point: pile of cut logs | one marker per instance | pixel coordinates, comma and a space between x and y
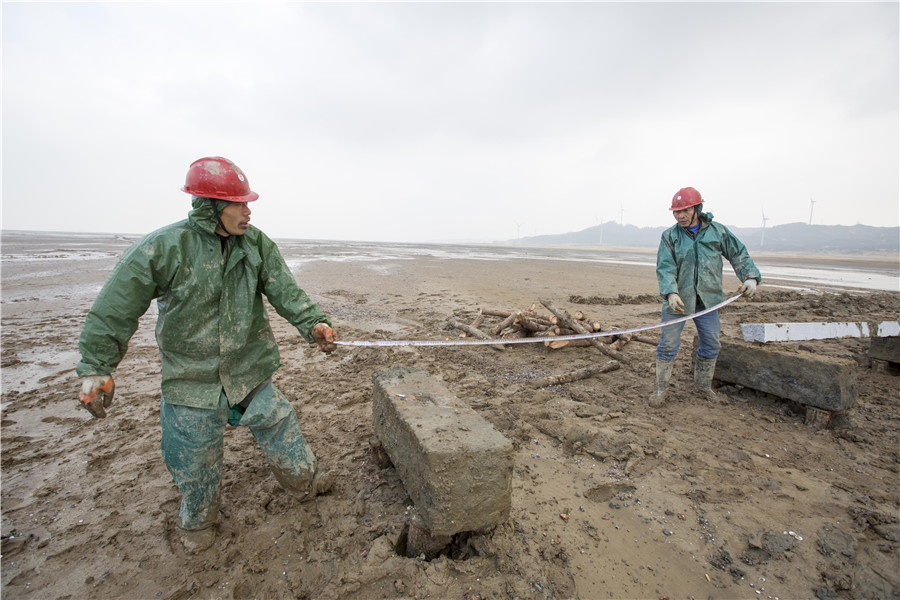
528, 323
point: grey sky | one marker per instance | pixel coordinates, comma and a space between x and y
443, 121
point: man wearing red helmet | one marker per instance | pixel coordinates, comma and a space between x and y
208, 274
689, 271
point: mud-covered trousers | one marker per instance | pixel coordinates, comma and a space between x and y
708, 330
193, 443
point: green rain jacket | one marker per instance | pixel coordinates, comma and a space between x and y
212, 330
692, 268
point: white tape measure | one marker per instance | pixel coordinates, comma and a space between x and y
532, 340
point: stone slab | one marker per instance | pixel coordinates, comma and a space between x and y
823, 382
794, 332
456, 467
885, 348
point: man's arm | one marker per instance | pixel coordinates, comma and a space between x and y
736, 253
283, 293
109, 325
114, 316
666, 268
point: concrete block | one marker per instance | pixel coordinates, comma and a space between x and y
455, 466
793, 332
821, 382
885, 348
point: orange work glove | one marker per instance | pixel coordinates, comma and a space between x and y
324, 337
96, 395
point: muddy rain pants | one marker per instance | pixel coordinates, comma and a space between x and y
193, 444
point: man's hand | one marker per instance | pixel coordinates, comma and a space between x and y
675, 303
97, 393
748, 288
324, 336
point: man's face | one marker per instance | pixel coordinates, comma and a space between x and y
236, 219
686, 217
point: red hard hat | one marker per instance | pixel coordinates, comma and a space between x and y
217, 177
685, 198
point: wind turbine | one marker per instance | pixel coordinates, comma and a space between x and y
811, 204
762, 237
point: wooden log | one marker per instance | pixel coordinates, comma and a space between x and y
557, 344
571, 323
530, 324
563, 330
645, 339
421, 542
478, 321
816, 418
606, 339
620, 341
543, 320
504, 323
512, 335
474, 332
617, 345
548, 319
495, 313
588, 323
575, 375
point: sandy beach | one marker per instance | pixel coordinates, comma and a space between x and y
736, 499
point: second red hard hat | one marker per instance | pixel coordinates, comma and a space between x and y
685, 198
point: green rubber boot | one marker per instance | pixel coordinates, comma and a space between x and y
663, 374
704, 369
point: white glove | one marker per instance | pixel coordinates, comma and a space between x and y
675, 303
748, 288
96, 395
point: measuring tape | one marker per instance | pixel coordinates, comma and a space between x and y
532, 340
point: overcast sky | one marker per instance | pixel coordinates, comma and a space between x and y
417, 122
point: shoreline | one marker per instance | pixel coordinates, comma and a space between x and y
886, 258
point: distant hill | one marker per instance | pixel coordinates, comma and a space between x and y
797, 237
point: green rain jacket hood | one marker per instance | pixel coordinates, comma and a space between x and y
692, 267
212, 328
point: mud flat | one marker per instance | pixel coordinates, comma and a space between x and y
610, 499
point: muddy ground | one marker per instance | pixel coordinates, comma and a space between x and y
736, 499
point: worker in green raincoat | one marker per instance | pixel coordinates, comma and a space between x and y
689, 271
208, 275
